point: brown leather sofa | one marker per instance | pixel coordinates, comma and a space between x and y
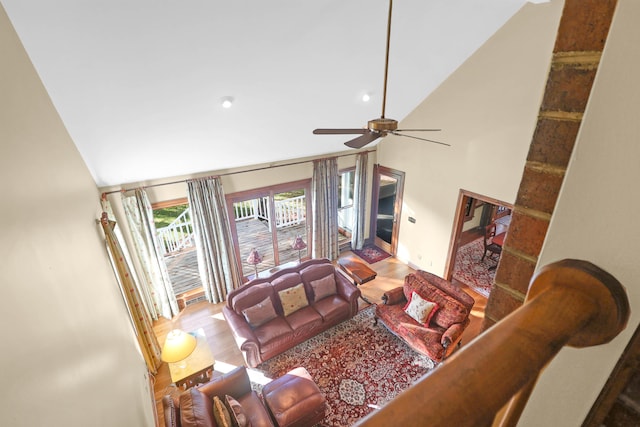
292, 400
438, 336
270, 315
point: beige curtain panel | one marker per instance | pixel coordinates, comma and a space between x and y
324, 204
217, 263
139, 316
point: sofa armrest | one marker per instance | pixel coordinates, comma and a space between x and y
235, 383
239, 326
348, 291
452, 336
171, 410
244, 336
394, 296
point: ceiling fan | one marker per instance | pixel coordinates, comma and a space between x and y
382, 126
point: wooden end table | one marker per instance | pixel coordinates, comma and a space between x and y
195, 369
358, 271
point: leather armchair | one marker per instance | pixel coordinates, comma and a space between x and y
194, 407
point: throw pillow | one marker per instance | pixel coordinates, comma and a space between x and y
238, 417
220, 413
293, 299
323, 287
260, 313
420, 309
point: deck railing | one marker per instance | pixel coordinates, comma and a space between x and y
288, 212
178, 235
512, 353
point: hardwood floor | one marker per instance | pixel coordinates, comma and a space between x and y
391, 273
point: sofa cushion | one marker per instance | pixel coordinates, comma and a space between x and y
447, 287
260, 313
271, 331
288, 280
221, 413
333, 309
304, 321
316, 272
420, 309
258, 415
252, 295
238, 417
323, 287
196, 409
293, 299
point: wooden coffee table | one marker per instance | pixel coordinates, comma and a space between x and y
358, 271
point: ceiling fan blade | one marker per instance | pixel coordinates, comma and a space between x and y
417, 130
421, 139
363, 140
339, 131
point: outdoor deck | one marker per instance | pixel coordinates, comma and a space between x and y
252, 233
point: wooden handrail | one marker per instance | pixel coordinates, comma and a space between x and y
570, 302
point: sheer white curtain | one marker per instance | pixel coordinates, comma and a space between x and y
324, 202
359, 201
156, 287
216, 261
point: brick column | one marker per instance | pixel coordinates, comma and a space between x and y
582, 33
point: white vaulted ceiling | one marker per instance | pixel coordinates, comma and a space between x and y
139, 83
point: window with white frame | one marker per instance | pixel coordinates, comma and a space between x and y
345, 200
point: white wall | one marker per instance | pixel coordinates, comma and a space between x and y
594, 220
69, 357
488, 111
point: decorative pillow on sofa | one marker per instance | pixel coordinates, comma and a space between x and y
293, 299
420, 309
450, 310
260, 313
323, 287
238, 417
220, 413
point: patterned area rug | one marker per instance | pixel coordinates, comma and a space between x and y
371, 254
358, 366
473, 272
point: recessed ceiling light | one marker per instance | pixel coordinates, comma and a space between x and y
366, 97
227, 102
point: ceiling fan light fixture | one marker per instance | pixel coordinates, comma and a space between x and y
381, 126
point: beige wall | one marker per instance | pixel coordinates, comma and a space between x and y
236, 180
487, 110
593, 220
68, 357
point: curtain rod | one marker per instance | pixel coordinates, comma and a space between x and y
124, 190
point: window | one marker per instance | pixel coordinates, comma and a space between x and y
268, 220
345, 201
174, 231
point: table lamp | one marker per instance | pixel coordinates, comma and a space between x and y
254, 259
299, 245
178, 346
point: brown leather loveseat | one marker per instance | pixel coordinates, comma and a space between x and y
437, 335
270, 315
